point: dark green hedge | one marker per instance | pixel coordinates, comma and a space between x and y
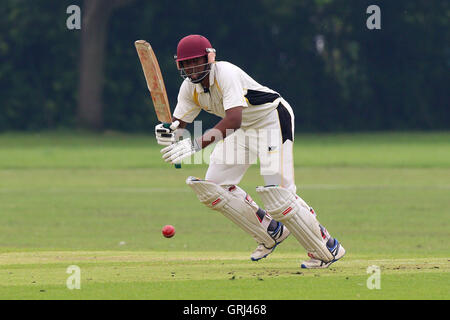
393, 78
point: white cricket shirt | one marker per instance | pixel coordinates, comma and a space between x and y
229, 86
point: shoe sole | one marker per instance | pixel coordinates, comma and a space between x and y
322, 267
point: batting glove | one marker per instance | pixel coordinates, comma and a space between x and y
180, 150
165, 134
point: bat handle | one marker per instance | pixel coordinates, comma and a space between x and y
177, 165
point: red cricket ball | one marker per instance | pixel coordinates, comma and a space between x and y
168, 231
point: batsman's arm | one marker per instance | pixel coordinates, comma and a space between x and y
182, 124
230, 123
176, 152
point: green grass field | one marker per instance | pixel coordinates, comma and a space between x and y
99, 202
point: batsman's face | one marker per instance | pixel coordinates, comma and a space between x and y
194, 68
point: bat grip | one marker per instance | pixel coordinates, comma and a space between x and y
167, 126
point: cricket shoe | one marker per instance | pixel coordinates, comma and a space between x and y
337, 251
279, 234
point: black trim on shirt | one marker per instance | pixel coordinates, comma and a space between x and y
285, 123
255, 97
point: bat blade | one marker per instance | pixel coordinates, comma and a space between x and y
154, 79
155, 82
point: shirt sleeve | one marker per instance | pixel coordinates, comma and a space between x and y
232, 89
186, 108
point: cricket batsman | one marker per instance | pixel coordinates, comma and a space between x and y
257, 123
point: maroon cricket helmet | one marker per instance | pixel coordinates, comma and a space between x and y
191, 47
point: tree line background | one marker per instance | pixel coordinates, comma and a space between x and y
319, 54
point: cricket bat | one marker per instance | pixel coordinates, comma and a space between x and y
155, 83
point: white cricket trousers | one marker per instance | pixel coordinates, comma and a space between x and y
270, 140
